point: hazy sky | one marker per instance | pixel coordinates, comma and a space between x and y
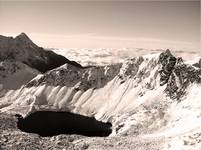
83, 24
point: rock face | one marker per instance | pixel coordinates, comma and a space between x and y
182, 76
177, 75
22, 49
167, 60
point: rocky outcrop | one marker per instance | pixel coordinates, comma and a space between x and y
181, 77
22, 49
177, 75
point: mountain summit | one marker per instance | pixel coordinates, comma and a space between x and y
22, 49
22, 36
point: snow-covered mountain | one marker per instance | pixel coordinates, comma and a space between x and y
156, 95
149, 91
22, 49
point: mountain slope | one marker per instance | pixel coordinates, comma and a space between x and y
22, 49
14, 74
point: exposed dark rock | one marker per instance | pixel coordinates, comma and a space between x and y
181, 77
167, 60
177, 75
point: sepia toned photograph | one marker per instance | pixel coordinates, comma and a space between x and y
100, 75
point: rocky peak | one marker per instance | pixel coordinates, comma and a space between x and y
23, 39
22, 36
167, 60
